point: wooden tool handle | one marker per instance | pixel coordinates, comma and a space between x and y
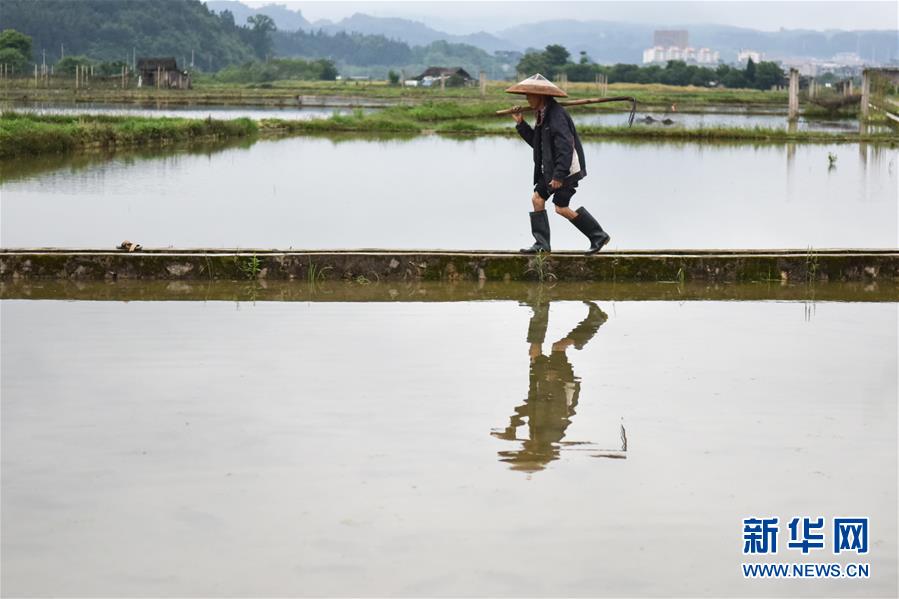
581, 102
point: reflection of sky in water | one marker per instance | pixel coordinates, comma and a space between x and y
433, 192
194, 112
312, 438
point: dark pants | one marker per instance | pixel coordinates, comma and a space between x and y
561, 196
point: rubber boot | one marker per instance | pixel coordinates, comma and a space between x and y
587, 225
586, 329
540, 229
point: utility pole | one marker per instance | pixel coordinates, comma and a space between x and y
191, 58
62, 51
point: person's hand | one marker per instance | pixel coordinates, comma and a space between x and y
555, 184
518, 117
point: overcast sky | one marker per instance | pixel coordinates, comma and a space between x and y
465, 16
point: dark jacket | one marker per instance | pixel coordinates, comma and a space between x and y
558, 153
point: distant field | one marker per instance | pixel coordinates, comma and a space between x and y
287, 92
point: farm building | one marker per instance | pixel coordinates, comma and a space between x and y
161, 72
435, 74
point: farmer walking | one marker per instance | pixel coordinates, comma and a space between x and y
558, 163
553, 391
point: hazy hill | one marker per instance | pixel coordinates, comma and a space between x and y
286, 19
413, 33
605, 41
610, 42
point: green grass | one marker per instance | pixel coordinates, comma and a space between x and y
29, 134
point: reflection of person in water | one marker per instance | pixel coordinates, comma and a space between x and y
553, 394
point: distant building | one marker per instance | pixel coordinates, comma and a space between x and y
707, 56
849, 59
161, 72
679, 38
674, 44
436, 74
743, 56
661, 55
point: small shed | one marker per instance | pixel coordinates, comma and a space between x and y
162, 72
437, 73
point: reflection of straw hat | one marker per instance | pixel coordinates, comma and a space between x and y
538, 85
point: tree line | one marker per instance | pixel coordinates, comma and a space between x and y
555, 60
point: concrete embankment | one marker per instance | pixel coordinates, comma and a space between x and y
393, 265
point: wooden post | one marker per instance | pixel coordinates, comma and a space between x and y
866, 92
794, 95
848, 88
482, 79
812, 88
77, 70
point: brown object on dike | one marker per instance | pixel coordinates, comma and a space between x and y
129, 246
538, 85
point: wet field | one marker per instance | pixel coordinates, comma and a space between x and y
442, 193
435, 439
712, 116
194, 111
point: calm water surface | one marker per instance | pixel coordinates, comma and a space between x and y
184, 111
696, 120
718, 117
435, 192
530, 447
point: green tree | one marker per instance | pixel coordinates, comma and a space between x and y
533, 62
768, 74
393, 77
556, 56
734, 78
15, 49
549, 63
10, 38
749, 75
67, 65
261, 28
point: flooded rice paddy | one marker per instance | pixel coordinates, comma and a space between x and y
437, 192
713, 116
190, 111
390, 440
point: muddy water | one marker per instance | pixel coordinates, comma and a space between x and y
531, 447
435, 192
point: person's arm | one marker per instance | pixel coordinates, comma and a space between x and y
524, 130
563, 148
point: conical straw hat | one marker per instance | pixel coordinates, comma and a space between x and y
539, 85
